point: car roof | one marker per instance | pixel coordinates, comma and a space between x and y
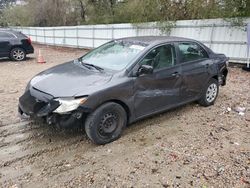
7, 30
15, 33
151, 41
155, 39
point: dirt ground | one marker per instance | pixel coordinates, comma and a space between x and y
190, 146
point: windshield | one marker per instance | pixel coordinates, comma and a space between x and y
114, 55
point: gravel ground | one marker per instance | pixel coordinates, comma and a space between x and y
190, 146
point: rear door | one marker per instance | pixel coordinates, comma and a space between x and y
194, 61
161, 89
5, 46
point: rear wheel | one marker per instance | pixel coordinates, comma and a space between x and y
106, 123
210, 93
18, 54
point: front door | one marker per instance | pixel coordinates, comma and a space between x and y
161, 89
4, 44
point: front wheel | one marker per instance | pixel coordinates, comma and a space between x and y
106, 123
18, 54
210, 93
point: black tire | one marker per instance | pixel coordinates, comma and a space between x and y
209, 95
18, 54
106, 123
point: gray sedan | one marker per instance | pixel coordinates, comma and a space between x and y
123, 81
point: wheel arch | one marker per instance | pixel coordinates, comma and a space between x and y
17, 46
225, 72
216, 77
213, 76
121, 103
202, 101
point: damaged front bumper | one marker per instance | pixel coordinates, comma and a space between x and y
38, 105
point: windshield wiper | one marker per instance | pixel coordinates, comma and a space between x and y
91, 65
95, 66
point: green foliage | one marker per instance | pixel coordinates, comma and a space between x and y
164, 12
4, 4
17, 16
166, 27
137, 11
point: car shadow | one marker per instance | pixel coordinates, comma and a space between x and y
157, 118
4, 60
53, 134
57, 134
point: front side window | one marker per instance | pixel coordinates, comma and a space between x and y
114, 55
191, 52
160, 57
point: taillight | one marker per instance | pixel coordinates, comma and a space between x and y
29, 40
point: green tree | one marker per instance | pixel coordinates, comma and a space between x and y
74, 12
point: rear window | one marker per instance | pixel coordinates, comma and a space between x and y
19, 34
4, 34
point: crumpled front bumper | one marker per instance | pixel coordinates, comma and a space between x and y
36, 104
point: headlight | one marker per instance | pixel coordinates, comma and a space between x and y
68, 105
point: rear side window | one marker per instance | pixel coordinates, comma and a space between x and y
191, 52
6, 35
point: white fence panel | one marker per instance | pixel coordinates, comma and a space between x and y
217, 34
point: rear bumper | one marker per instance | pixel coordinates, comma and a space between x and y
222, 80
29, 49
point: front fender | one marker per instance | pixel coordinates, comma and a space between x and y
122, 92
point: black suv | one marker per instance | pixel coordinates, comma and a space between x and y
14, 44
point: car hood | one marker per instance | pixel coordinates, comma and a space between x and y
69, 79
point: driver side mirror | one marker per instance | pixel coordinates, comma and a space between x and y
145, 69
